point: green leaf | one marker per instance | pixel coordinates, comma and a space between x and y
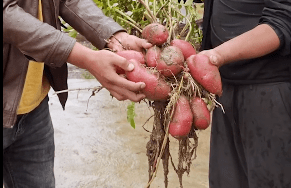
131, 114
73, 33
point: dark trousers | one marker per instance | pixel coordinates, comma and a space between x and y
251, 142
28, 150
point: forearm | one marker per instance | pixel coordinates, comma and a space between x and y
80, 56
89, 20
255, 43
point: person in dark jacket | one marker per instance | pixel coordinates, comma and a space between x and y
35, 56
250, 42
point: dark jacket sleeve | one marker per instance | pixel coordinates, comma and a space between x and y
34, 38
277, 14
89, 20
206, 41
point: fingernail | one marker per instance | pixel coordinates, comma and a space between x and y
130, 67
142, 85
214, 59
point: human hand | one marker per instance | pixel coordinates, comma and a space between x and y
118, 86
101, 64
123, 41
214, 57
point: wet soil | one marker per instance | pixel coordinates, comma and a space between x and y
97, 148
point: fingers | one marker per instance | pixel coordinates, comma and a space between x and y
124, 94
123, 41
145, 44
123, 63
105, 72
117, 80
123, 89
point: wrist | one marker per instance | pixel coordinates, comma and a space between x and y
116, 40
80, 56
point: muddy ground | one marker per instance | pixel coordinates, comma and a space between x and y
97, 148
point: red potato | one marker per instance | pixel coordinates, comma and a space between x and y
171, 61
182, 121
201, 114
129, 54
156, 89
186, 48
152, 56
155, 33
205, 73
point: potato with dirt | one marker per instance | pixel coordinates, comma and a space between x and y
156, 88
155, 33
171, 61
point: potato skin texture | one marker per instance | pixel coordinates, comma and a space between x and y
182, 120
155, 33
205, 73
171, 61
156, 89
186, 48
130, 54
201, 114
152, 56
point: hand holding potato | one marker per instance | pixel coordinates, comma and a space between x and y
101, 64
123, 41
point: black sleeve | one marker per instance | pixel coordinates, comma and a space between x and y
277, 14
206, 29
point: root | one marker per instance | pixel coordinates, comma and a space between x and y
156, 140
158, 148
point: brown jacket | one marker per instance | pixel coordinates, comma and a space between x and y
25, 38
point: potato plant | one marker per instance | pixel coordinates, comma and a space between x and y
181, 84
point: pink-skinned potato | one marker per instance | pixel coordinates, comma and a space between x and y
156, 89
171, 61
128, 55
186, 48
201, 114
155, 33
205, 73
182, 120
152, 56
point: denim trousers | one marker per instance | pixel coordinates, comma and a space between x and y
250, 145
28, 150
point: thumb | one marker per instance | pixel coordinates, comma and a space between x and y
125, 65
213, 59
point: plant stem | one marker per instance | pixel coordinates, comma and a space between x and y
148, 10
126, 16
98, 88
136, 27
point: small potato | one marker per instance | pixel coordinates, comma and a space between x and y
155, 33
182, 120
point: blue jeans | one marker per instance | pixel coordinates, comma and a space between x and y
28, 150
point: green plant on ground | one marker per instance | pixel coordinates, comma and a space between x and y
87, 75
